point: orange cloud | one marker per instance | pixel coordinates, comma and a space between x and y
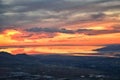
5, 37
13, 37
105, 24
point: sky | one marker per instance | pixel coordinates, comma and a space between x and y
59, 22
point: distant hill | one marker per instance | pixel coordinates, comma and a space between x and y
7, 58
110, 48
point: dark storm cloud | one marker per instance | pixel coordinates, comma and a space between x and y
88, 17
98, 16
67, 31
58, 5
20, 12
1, 7
1, 29
50, 30
55, 5
96, 32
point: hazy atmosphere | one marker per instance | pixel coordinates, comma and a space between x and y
59, 39
58, 26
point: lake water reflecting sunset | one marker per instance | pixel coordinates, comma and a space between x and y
67, 50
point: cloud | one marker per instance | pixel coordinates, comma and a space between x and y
49, 30
31, 36
67, 31
96, 32
116, 27
1, 29
22, 12
98, 16
55, 5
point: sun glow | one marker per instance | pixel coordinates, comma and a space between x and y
11, 32
5, 37
97, 28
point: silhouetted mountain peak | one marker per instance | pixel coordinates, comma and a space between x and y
110, 48
7, 58
3, 53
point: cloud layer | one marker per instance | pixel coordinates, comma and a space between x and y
67, 31
22, 12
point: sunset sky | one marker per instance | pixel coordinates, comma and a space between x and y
59, 22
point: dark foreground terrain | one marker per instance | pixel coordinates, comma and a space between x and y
58, 67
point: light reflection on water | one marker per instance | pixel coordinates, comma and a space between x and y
82, 50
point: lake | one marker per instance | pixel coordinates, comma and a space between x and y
67, 50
